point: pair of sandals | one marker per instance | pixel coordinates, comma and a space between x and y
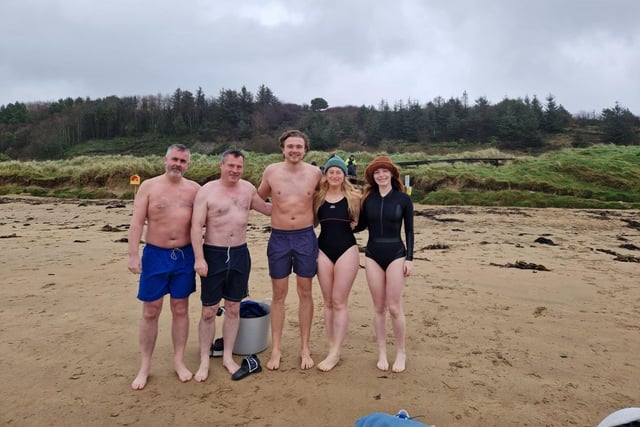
250, 364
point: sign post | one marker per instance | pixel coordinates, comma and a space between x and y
407, 187
135, 181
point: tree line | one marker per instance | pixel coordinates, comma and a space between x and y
43, 130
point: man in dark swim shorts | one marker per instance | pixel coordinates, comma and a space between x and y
222, 261
291, 184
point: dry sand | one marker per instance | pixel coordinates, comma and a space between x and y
489, 345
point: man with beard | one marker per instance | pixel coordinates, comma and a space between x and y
166, 266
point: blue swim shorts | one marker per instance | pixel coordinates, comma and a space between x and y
166, 271
292, 250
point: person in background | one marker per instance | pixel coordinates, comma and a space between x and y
351, 168
293, 245
336, 207
388, 262
223, 262
166, 267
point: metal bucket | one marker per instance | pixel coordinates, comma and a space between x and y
253, 333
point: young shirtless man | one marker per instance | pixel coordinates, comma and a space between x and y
223, 262
293, 245
166, 267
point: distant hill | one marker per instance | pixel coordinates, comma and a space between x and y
146, 125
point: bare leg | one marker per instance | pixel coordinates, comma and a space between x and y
280, 289
230, 326
148, 335
381, 333
326, 273
180, 333
395, 289
343, 275
377, 287
400, 362
206, 333
305, 317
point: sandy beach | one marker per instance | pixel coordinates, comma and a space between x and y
527, 317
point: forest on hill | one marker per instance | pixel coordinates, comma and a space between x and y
145, 125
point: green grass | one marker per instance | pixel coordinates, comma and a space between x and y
603, 176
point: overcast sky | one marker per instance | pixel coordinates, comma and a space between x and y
586, 53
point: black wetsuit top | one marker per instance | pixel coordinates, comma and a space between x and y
384, 216
336, 235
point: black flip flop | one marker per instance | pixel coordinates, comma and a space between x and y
217, 348
250, 364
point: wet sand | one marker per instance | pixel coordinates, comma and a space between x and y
514, 317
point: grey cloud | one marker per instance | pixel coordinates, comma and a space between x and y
349, 52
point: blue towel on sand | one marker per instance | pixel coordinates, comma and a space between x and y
378, 419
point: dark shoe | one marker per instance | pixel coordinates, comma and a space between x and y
250, 364
217, 348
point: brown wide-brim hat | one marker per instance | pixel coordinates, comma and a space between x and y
382, 162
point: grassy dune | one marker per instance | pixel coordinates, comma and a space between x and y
603, 176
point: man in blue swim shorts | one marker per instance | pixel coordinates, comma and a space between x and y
293, 245
223, 261
166, 266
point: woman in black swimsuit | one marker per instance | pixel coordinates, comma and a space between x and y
388, 262
337, 206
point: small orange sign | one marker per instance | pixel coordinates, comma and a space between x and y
134, 180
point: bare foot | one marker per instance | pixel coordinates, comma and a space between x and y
399, 364
383, 363
307, 361
231, 366
329, 362
274, 361
203, 372
184, 374
140, 381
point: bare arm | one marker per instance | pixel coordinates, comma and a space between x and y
198, 220
258, 204
264, 190
136, 227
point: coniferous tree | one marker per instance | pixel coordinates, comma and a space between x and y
618, 126
555, 117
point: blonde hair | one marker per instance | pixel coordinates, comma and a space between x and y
351, 193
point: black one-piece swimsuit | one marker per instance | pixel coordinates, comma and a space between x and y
336, 235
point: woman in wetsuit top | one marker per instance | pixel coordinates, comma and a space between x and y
388, 262
336, 205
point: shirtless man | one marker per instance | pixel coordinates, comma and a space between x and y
293, 245
166, 267
223, 262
